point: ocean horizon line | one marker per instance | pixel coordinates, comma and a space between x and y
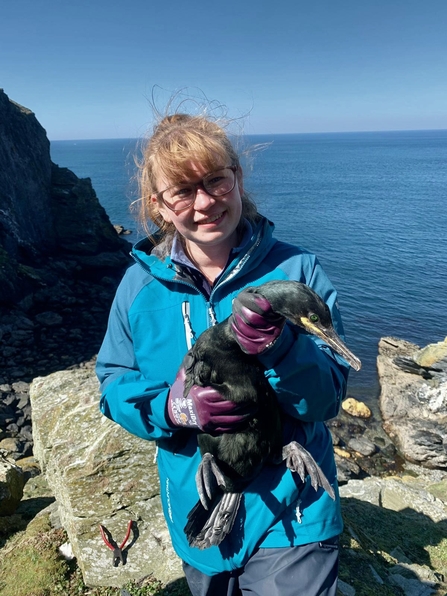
274, 134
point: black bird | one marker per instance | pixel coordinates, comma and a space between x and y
231, 460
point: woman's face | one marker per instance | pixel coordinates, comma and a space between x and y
209, 221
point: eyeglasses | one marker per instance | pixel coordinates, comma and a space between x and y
216, 184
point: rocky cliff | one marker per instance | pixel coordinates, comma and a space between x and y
47, 214
60, 262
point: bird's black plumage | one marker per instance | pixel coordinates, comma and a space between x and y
231, 460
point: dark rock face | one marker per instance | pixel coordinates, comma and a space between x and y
46, 212
60, 263
81, 225
26, 219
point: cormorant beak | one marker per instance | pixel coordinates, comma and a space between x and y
329, 336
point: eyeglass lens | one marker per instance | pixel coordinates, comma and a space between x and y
216, 184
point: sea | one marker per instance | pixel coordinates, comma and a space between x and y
372, 206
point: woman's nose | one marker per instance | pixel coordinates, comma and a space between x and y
203, 200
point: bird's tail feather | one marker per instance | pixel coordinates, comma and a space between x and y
207, 528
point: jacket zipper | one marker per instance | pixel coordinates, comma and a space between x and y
238, 266
212, 315
189, 333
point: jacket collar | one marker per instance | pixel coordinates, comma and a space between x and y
157, 259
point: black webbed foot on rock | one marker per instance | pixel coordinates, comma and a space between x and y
299, 460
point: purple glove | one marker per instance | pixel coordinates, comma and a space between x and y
204, 408
255, 325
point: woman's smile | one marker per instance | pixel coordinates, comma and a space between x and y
211, 219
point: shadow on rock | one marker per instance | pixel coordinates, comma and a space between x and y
389, 549
29, 508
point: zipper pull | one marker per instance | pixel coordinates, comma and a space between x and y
187, 323
212, 315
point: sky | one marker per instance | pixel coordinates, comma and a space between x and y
94, 69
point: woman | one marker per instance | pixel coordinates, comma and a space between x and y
211, 243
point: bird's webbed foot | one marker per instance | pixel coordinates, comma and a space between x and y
208, 476
299, 460
219, 524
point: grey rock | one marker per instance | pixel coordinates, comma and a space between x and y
27, 433
11, 485
8, 399
99, 473
23, 401
412, 587
414, 409
12, 446
376, 576
398, 494
409, 493
399, 555
362, 445
368, 490
345, 588
49, 319
346, 468
414, 571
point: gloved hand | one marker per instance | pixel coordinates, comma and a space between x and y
205, 408
255, 326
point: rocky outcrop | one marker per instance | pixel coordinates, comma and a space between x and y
419, 499
11, 485
47, 214
413, 399
100, 474
361, 446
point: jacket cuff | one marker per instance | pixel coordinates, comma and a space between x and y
156, 410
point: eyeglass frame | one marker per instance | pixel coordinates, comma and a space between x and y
196, 185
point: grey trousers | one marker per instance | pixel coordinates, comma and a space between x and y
307, 570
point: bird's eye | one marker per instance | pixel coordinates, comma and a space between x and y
314, 318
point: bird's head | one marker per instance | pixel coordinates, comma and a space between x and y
303, 307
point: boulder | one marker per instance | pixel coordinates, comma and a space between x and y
432, 354
356, 408
408, 492
100, 474
413, 403
11, 485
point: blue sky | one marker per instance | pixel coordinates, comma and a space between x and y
87, 68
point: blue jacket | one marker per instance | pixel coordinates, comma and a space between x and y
156, 310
